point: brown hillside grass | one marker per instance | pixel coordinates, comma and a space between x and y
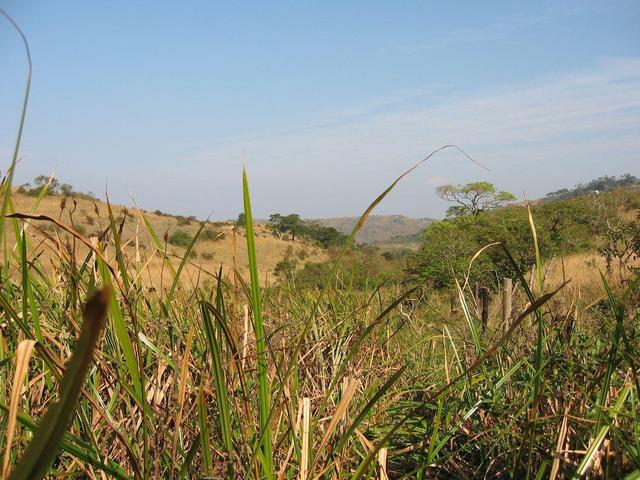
91, 217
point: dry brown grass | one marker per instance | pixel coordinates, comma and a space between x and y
140, 246
583, 270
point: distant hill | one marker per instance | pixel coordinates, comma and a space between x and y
379, 228
597, 185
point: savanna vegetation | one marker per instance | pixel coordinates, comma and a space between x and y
357, 367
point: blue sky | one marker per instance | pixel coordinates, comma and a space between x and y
325, 102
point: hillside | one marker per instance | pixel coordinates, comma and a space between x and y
379, 229
220, 244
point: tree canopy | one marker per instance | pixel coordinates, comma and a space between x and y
281, 224
473, 198
294, 226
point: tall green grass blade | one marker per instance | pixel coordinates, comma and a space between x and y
205, 447
115, 233
256, 308
191, 455
222, 397
122, 334
537, 388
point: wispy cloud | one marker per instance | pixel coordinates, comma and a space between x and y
504, 28
537, 136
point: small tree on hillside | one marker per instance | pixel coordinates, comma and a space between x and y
41, 181
281, 224
66, 189
473, 198
241, 221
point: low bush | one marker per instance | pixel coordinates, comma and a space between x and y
180, 238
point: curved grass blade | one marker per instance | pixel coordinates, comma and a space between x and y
5, 188
48, 437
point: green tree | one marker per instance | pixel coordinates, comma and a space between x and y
563, 227
281, 224
324, 236
241, 220
473, 198
611, 218
66, 189
41, 182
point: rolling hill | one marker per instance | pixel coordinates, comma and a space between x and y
380, 229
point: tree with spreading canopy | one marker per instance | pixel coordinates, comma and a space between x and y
473, 198
281, 224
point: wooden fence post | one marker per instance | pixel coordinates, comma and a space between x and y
507, 289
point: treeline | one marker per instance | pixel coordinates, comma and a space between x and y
607, 224
361, 266
603, 223
294, 227
596, 186
44, 185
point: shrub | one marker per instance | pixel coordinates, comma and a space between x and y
207, 255
313, 275
285, 268
180, 238
211, 234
